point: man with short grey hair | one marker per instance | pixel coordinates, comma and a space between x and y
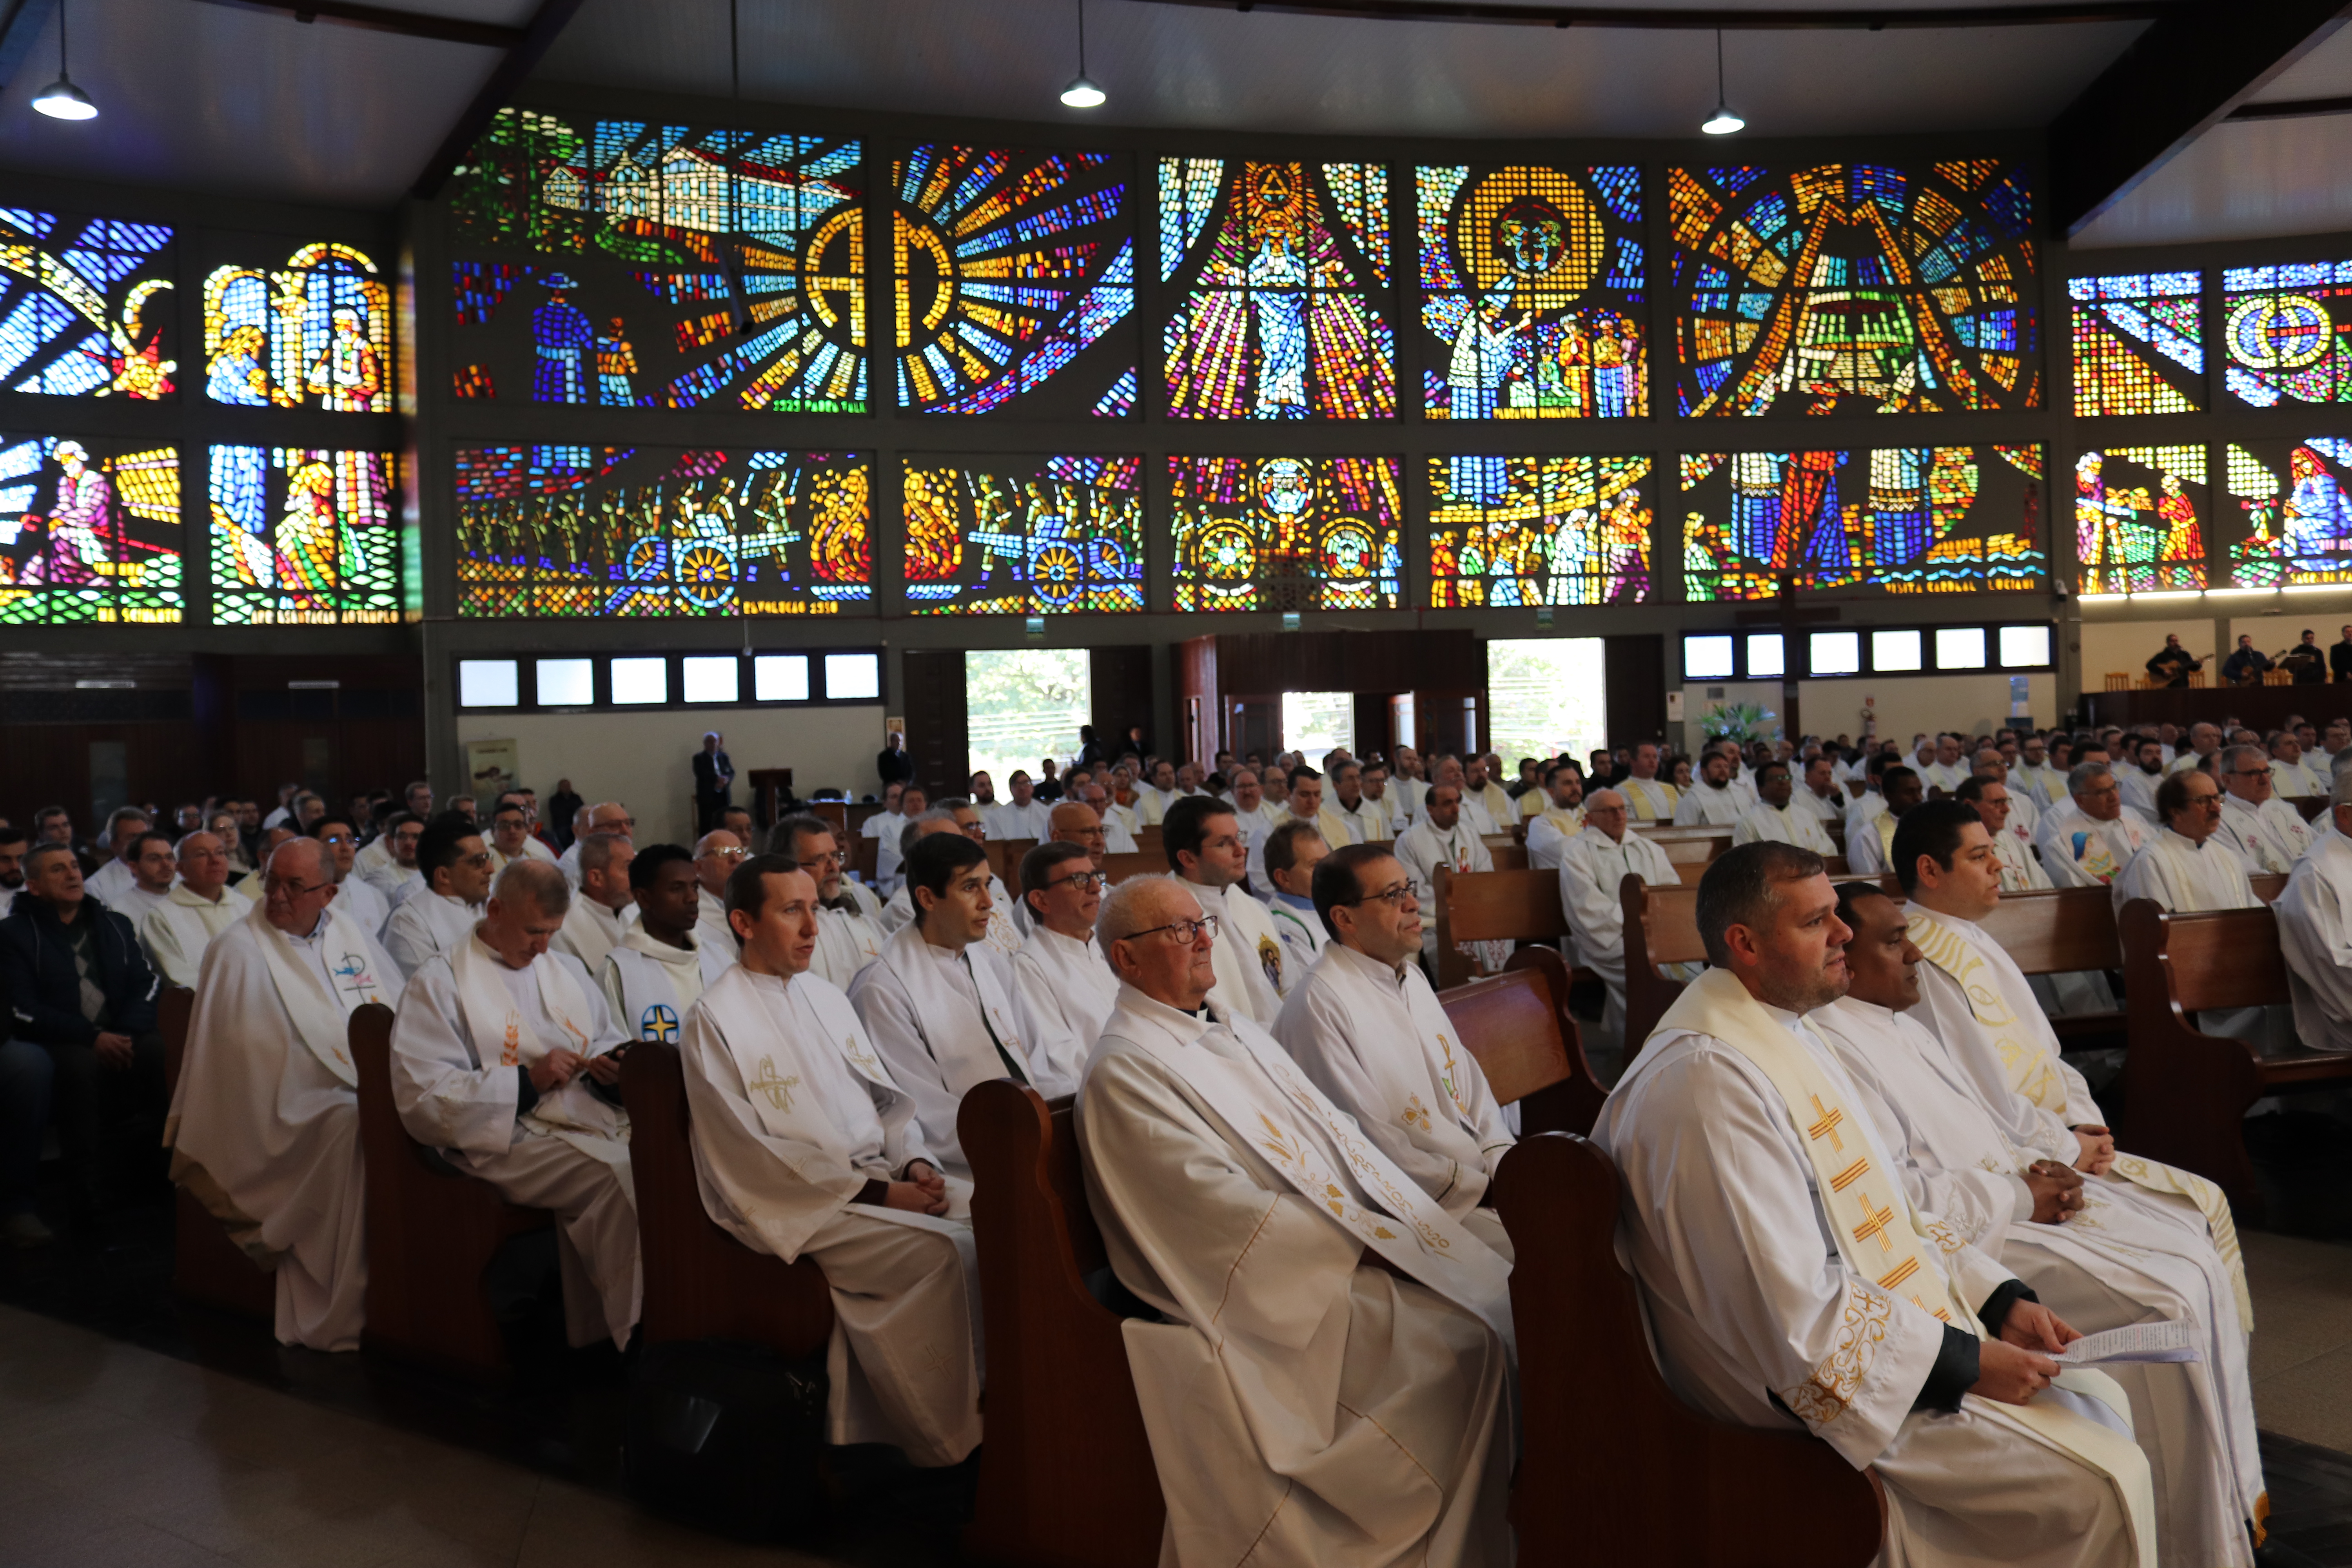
2268, 835
2085, 843
595, 923
849, 933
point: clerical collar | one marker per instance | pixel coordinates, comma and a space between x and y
1292, 900
2194, 845
779, 984
1871, 1010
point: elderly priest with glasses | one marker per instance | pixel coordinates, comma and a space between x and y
1327, 1380
1791, 1281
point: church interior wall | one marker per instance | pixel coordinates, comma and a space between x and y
1903, 705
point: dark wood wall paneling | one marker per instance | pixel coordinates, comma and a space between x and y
1121, 678
938, 737
1238, 680
1634, 670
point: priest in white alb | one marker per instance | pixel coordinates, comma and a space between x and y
1559, 818
2086, 841
598, 918
716, 854
1003, 938
1304, 803
805, 1148
265, 1122
1592, 872
1062, 989
1291, 853
439, 917
2097, 1257
1791, 1281
2187, 866
502, 1057
1869, 837
849, 933
2315, 926
1329, 1382
362, 900
2083, 991
1776, 818
1205, 846
1367, 1028
652, 976
199, 907
1443, 836
2269, 835
1711, 802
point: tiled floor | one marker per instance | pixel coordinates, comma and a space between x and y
138, 1433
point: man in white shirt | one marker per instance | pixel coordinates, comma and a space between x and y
1444, 838
1482, 789
849, 933
1203, 840
2137, 782
1062, 989
1821, 794
111, 882
912, 804
1710, 800
510, 839
1775, 819
1869, 843
652, 974
2093, 836
598, 918
1365, 819
1406, 785
1117, 838
394, 874
457, 866
716, 854
177, 930
2034, 774
1290, 853
605, 819
2314, 920
1154, 798
884, 823
804, 1148
1250, 808
1023, 816
1592, 871
360, 898
153, 870
1560, 815
1947, 770
1379, 789
2268, 835
981, 790
2290, 777
2187, 866
502, 1058
1305, 804
2204, 745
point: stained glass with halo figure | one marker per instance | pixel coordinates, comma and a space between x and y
2139, 518
1563, 531
2288, 521
313, 332
90, 531
1013, 536
303, 537
575, 531
1287, 533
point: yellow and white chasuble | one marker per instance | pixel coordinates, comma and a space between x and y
1548, 831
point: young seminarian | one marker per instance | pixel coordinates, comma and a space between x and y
1365, 1028
1329, 1382
441, 914
657, 971
941, 1021
2095, 1253
1205, 846
804, 1147
1788, 1274
1062, 989
502, 1057
265, 1126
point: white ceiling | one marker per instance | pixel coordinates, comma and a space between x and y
220, 99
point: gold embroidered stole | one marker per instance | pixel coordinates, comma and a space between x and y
2033, 1072
1885, 823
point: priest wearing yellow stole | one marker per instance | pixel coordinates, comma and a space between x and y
1775, 818
805, 1147
1560, 816
1791, 1280
264, 1124
1328, 1383
502, 1056
2094, 1254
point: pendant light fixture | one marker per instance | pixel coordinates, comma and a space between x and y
1082, 93
1723, 123
61, 99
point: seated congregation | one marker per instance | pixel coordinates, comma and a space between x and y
1240, 1087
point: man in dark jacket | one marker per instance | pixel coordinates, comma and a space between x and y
78, 986
714, 778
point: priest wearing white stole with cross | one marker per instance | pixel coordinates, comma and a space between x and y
849, 933
2269, 835
1791, 1280
265, 1123
942, 1022
502, 1056
1002, 940
1329, 1386
1442, 837
2094, 1256
1062, 989
652, 976
1368, 1031
804, 1146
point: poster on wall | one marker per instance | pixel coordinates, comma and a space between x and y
492, 768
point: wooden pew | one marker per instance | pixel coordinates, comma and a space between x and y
2268, 886
700, 1283
1655, 1482
1517, 1026
1119, 867
1508, 854
2311, 806
2059, 931
1067, 1478
2186, 1093
1004, 858
1692, 857
1147, 842
432, 1230
206, 1265
835, 812
864, 857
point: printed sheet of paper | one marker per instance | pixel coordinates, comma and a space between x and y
2177, 1339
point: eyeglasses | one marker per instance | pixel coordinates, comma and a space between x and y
2250, 773
1084, 881
481, 858
1394, 896
818, 863
735, 854
1187, 931
274, 885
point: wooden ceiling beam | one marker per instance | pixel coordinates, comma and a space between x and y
1503, 12
551, 17
385, 20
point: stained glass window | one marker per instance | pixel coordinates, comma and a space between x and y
90, 531
85, 306
1531, 293
2139, 518
2288, 520
614, 531
1280, 272
1561, 531
659, 267
315, 333
1855, 287
1024, 538
1907, 520
1287, 533
2285, 331
2139, 345
1012, 271
303, 537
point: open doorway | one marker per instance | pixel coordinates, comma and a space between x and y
1314, 722
1546, 696
1023, 705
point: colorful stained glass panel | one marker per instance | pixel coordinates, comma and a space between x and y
1280, 274
302, 537
2287, 332
1021, 537
1016, 275
2139, 518
86, 306
314, 333
1287, 533
1531, 292
2139, 343
1904, 520
2288, 520
575, 531
1558, 531
90, 531
623, 264
1854, 288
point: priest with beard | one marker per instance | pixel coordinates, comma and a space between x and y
652, 976
1327, 1380
2090, 838
1791, 1280
1365, 1028
503, 1057
849, 933
1559, 818
1711, 801
1062, 989
2097, 1257
265, 1122
804, 1147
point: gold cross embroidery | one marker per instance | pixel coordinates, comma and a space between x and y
851, 1048
1875, 1225
1827, 1127
511, 1055
779, 1091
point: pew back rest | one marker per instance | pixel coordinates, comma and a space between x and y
1500, 906
1518, 1027
1119, 867
2057, 931
2216, 960
1668, 917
